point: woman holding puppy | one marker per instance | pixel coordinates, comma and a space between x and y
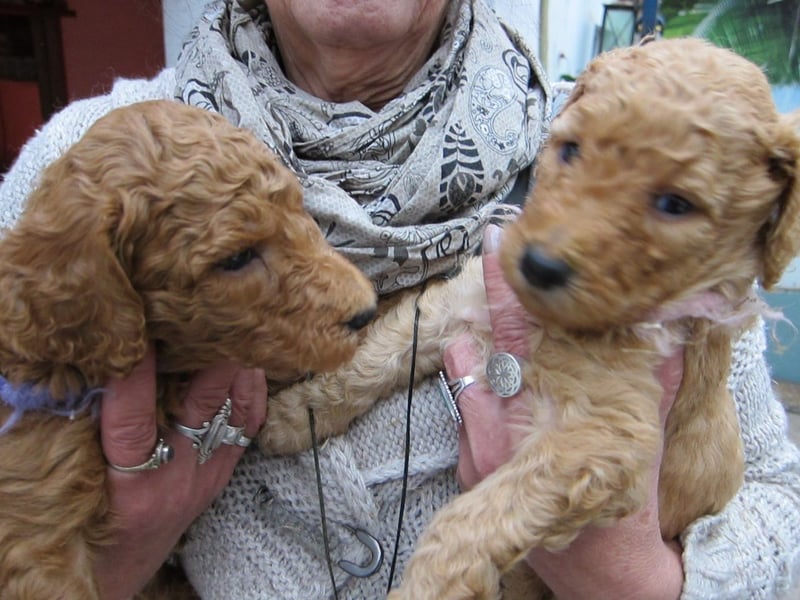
409, 123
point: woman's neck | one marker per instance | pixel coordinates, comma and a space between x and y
342, 75
365, 63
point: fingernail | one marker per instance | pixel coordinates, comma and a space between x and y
491, 238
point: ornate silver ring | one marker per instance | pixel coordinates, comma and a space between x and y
451, 390
212, 434
162, 454
504, 374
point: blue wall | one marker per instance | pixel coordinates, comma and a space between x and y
784, 352
783, 339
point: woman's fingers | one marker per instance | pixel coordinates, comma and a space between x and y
206, 397
510, 321
492, 426
152, 508
249, 396
128, 428
207, 392
482, 445
490, 423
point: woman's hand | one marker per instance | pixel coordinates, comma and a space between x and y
152, 509
627, 560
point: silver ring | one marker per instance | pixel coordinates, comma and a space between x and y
212, 434
451, 390
162, 454
504, 374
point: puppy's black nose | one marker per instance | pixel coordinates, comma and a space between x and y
362, 319
543, 271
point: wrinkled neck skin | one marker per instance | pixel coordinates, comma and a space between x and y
368, 57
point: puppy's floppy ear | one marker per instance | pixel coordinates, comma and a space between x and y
782, 234
68, 314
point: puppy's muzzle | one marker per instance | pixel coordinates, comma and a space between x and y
542, 270
361, 319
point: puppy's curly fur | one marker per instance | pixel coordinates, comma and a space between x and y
163, 224
669, 184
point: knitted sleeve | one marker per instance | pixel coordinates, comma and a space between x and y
752, 548
64, 129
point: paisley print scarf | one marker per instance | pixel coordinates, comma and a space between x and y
404, 192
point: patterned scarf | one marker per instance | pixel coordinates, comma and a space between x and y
405, 192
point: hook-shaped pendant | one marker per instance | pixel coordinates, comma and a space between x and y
375, 561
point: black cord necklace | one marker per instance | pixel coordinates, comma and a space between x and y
407, 448
321, 497
406, 466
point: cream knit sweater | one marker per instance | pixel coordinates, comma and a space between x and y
262, 538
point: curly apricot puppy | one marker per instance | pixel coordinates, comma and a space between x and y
163, 224
668, 185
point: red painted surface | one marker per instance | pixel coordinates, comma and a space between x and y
20, 115
102, 42
106, 40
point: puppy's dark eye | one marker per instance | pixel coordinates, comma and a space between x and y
672, 204
238, 260
569, 151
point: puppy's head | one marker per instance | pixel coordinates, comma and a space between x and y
668, 174
166, 223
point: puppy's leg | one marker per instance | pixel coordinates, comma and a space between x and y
381, 364
703, 462
52, 505
594, 471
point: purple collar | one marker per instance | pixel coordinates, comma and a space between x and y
27, 397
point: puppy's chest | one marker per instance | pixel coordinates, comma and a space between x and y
586, 375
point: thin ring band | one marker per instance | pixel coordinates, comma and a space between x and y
212, 434
162, 454
459, 384
451, 390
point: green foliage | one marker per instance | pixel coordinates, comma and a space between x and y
764, 31
671, 8
683, 25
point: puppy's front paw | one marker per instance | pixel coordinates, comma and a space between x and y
286, 430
